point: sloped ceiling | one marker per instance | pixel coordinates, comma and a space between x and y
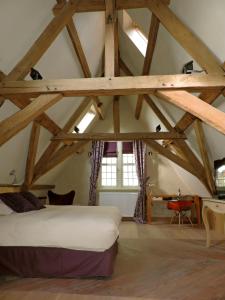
22, 23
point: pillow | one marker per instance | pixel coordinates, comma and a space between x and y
59, 199
33, 200
4, 209
17, 202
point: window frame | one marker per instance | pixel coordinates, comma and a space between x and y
119, 173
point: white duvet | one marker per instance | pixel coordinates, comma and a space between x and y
74, 227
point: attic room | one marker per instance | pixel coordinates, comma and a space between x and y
112, 149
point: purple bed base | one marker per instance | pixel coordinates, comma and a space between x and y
56, 262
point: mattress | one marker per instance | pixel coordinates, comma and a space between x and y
89, 228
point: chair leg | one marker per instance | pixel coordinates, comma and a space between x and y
190, 220
179, 217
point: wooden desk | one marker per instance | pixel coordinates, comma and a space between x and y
150, 201
215, 205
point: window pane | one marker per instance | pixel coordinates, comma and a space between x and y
113, 168
125, 168
125, 158
104, 160
103, 169
114, 159
104, 181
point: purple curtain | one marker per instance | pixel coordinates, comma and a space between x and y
96, 161
140, 213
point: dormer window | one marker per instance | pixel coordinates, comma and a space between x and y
134, 33
86, 120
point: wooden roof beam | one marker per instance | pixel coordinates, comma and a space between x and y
53, 146
15, 123
177, 160
32, 152
111, 62
99, 5
61, 155
197, 107
199, 131
74, 37
110, 86
187, 39
152, 37
119, 136
44, 120
181, 147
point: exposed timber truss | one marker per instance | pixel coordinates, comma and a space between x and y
173, 88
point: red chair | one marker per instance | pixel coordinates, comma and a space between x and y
180, 209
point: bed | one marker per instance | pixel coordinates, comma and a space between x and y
58, 241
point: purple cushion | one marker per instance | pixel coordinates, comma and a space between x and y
17, 202
33, 200
58, 199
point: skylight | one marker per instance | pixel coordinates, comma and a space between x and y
86, 120
221, 169
134, 33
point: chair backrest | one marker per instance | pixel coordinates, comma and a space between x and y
180, 205
61, 199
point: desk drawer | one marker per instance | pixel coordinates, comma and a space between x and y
216, 206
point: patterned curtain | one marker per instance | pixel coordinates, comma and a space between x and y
96, 161
140, 213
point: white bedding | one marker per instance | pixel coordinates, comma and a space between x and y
74, 227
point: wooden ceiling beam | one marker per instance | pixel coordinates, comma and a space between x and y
188, 119
60, 156
109, 86
32, 152
43, 42
44, 120
199, 131
119, 136
185, 37
15, 123
99, 5
181, 146
197, 107
174, 158
75, 40
152, 37
111, 62
53, 146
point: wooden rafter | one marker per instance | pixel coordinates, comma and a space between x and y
152, 37
181, 147
32, 152
204, 154
110, 86
43, 119
119, 136
99, 5
34, 54
187, 39
53, 146
43, 42
177, 160
15, 123
188, 119
61, 155
111, 62
174, 158
74, 37
197, 107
